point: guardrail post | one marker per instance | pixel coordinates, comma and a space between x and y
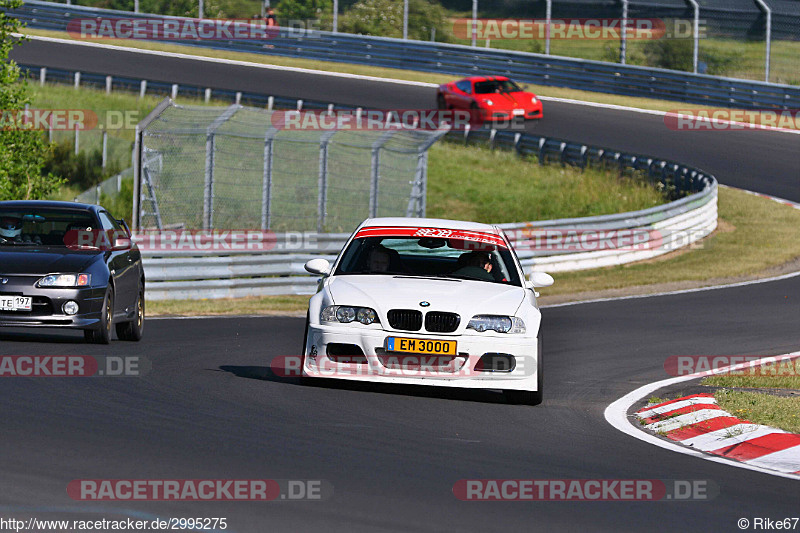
623, 41
374, 172
322, 184
238, 97
548, 18
335, 16
270, 103
208, 95
105, 150
42, 76
142, 88
405, 20
542, 141
695, 33
109, 81
77, 140
768, 14
77, 79
266, 182
174, 92
474, 25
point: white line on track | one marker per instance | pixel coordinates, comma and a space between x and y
616, 414
684, 291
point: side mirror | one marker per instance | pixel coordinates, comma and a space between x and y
318, 266
541, 279
122, 243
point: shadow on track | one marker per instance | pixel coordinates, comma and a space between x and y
265, 373
35, 336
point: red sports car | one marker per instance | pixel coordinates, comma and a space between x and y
496, 98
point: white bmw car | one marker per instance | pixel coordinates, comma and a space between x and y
430, 302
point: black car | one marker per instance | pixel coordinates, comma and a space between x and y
69, 265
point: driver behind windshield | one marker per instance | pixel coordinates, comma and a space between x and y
476, 265
11, 231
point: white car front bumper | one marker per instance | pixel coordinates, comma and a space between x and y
391, 367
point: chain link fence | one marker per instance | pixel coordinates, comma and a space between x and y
237, 167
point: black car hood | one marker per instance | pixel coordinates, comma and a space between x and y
43, 259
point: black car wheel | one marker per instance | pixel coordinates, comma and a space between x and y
132, 331
102, 334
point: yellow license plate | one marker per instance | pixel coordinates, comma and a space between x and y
402, 344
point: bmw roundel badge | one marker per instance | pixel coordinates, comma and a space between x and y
425, 304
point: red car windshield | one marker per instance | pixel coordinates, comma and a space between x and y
496, 86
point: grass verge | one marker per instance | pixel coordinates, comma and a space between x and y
774, 411
365, 70
496, 186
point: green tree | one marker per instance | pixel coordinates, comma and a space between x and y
321, 10
22, 151
385, 18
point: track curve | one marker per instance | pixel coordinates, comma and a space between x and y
211, 409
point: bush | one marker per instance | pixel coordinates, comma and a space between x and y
120, 205
677, 54
385, 18
83, 170
22, 152
321, 10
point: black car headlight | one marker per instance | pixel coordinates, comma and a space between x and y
347, 314
498, 323
65, 280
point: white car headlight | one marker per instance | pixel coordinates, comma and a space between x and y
489, 102
65, 280
534, 100
347, 314
500, 324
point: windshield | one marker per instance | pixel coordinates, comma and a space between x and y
462, 255
496, 86
20, 226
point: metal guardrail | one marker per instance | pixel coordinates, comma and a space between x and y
464, 60
183, 274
